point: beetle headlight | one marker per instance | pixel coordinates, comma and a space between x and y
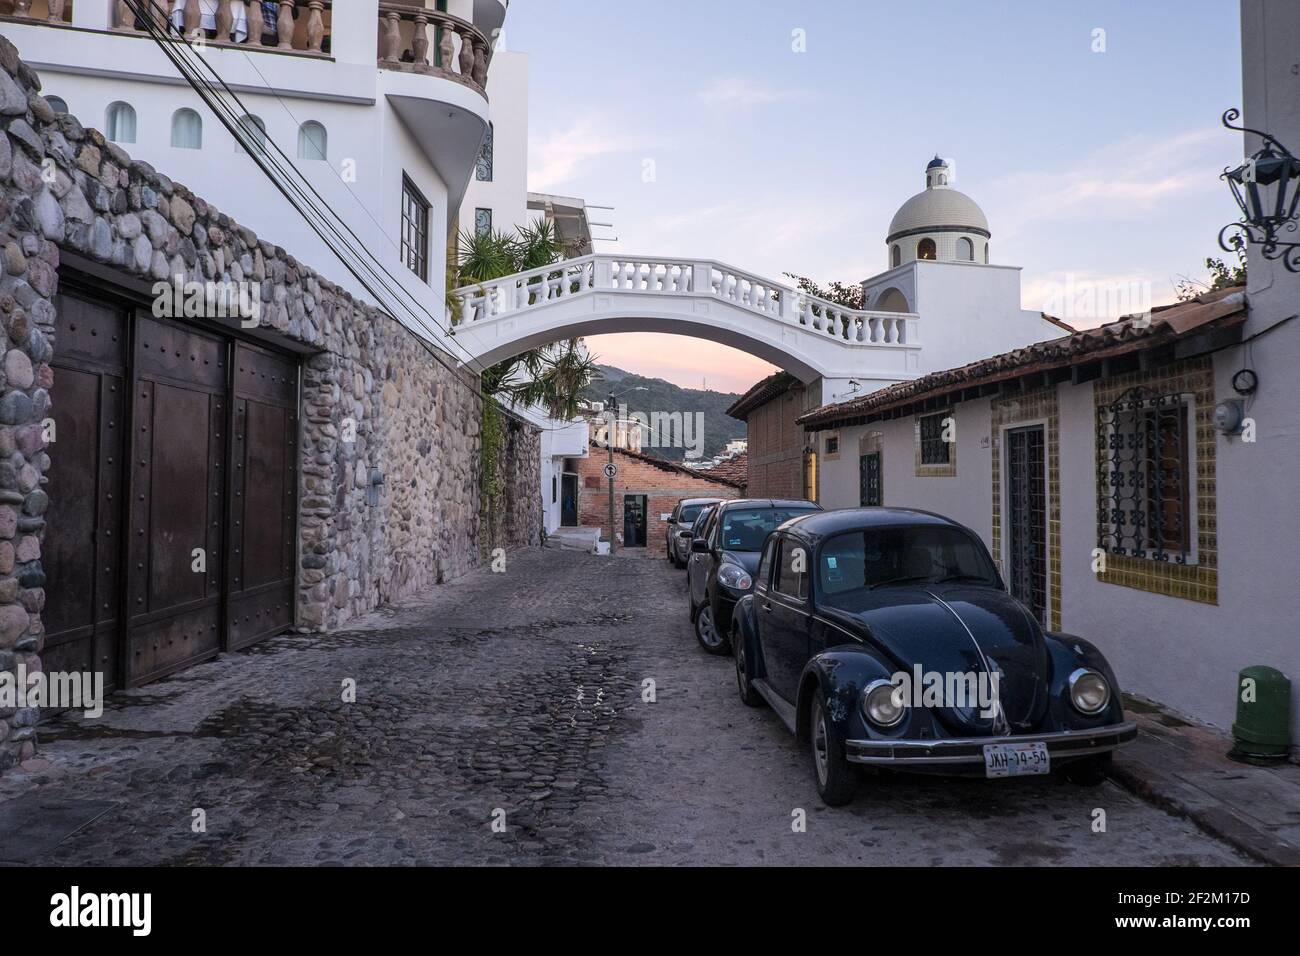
883, 704
1089, 691
735, 577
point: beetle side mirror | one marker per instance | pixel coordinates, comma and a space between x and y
699, 546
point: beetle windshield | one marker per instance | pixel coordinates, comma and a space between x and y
883, 557
745, 529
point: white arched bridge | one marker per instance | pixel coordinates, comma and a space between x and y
807, 336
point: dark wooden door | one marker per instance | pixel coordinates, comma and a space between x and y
263, 495
1027, 518
177, 489
83, 538
869, 479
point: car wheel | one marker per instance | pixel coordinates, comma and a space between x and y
1090, 771
836, 779
748, 694
706, 633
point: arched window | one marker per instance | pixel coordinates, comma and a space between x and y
895, 256
121, 122
965, 250
255, 128
925, 249
313, 141
57, 103
986, 253
483, 169
187, 129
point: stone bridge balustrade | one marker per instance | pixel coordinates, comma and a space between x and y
458, 50
668, 277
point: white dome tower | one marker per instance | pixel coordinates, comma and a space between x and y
940, 223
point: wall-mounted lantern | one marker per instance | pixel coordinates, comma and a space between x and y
1267, 189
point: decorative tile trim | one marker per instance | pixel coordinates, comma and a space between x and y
948, 470
1192, 582
1040, 405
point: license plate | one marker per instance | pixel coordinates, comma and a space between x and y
1016, 760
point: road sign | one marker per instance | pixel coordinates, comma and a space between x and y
611, 470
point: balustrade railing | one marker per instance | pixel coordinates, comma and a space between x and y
672, 277
300, 26
50, 11
457, 49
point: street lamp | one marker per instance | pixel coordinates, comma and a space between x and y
1264, 217
610, 470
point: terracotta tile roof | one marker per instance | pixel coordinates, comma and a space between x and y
735, 468
760, 393
664, 465
1131, 334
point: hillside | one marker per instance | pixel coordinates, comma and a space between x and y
662, 396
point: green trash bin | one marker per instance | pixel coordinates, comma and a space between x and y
1262, 730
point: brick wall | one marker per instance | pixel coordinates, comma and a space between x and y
662, 484
776, 443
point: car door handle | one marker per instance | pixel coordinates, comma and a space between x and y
766, 605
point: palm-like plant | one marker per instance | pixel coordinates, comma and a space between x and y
552, 375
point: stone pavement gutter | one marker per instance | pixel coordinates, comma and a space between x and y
1183, 767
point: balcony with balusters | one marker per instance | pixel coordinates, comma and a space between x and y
419, 39
410, 37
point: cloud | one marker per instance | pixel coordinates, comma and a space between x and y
1118, 181
1086, 299
561, 155
742, 91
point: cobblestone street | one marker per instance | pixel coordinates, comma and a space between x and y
523, 691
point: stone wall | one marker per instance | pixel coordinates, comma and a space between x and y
417, 423
522, 477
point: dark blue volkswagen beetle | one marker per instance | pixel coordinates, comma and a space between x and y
885, 637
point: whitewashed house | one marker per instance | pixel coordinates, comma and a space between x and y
1135, 482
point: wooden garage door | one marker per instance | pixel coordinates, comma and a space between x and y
177, 492
171, 532
263, 498
83, 540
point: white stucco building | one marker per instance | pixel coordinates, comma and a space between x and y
382, 111
1133, 481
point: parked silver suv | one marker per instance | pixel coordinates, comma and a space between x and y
677, 548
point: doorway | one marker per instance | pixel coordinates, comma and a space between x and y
869, 480
1027, 518
634, 521
569, 501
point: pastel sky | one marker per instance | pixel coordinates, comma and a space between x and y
1091, 166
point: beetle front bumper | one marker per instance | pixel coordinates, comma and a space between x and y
1065, 744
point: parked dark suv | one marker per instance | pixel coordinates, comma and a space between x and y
724, 559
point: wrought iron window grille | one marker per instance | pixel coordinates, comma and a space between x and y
934, 448
1145, 478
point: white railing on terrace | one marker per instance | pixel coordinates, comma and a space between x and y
527, 291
